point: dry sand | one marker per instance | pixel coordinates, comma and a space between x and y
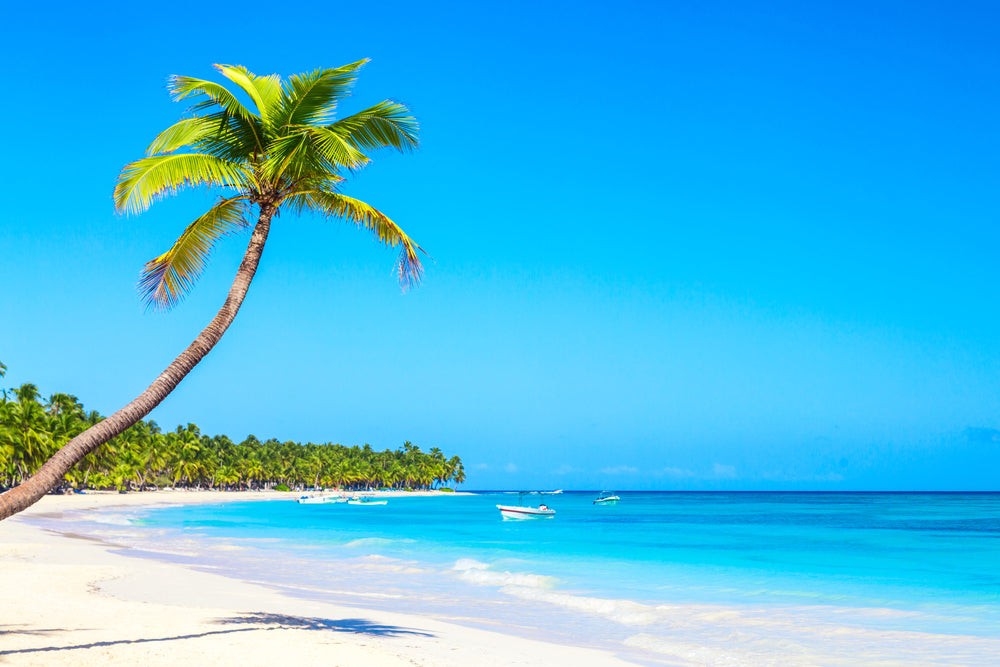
75, 601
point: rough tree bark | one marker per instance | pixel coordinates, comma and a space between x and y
30, 490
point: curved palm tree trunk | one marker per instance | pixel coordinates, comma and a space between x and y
27, 493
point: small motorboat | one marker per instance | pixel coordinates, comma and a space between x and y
606, 498
366, 501
522, 511
317, 500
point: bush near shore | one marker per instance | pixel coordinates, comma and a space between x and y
144, 457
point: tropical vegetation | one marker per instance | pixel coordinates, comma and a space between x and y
285, 151
143, 456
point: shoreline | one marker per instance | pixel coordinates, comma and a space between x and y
72, 599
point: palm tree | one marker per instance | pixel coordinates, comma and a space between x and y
287, 153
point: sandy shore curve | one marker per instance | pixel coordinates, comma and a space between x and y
71, 600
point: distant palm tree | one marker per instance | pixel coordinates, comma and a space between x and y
288, 153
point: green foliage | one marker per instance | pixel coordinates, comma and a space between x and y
31, 430
287, 151
281, 487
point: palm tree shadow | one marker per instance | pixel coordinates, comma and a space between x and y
352, 625
254, 621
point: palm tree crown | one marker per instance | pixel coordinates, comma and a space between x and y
291, 152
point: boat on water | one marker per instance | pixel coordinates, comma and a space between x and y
606, 498
522, 511
306, 499
366, 501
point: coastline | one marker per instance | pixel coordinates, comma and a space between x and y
69, 599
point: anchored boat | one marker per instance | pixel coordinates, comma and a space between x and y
366, 501
606, 498
522, 511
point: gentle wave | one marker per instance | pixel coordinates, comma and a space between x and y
376, 542
107, 518
743, 636
476, 572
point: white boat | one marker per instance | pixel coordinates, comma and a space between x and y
366, 501
522, 511
606, 498
316, 500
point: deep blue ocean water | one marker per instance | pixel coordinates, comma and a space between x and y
660, 578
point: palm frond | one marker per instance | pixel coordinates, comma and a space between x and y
186, 132
265, 91
333, 204
183, 87
149, 178
233, 139
167, 278
387, 124
312, 98
336, 149
291, 158
298, 198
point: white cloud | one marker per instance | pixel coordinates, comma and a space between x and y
678, 472
566, 469
510, 467
478, 466
721, 471
620, 470
790, 476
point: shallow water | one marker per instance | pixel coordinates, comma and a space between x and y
660, 578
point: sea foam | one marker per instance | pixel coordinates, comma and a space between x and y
477, 572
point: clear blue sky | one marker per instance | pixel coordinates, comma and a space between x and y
677, 245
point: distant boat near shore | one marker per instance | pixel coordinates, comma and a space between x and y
307, 499
366, 501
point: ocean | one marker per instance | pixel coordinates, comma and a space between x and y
665, 578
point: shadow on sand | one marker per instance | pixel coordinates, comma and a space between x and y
255, 621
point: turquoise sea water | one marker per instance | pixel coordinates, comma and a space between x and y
660, 578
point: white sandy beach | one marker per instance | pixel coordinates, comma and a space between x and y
67, 600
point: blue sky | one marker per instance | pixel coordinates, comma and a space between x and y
714, 245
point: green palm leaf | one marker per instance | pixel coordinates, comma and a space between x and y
265, 91
167, 278
185, 132
408, 268
385, 124
183, 87
290, 158
311, 98
150, 178
336, 148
